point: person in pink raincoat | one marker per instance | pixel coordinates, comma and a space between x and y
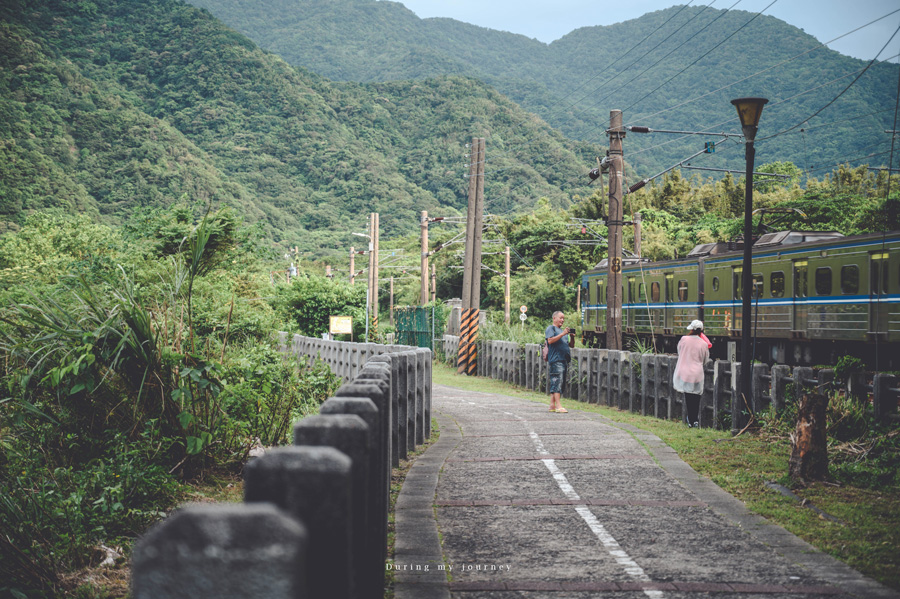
693, 352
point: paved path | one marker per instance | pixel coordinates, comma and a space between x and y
516, 502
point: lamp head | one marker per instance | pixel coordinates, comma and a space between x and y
749, 111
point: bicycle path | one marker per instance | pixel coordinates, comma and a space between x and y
514, 501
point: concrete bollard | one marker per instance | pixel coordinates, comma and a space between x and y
393, 363
227, 551
780, 375
312, 484
352, 435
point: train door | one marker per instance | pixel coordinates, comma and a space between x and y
878, 290
800, 309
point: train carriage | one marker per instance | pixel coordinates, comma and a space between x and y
815, 296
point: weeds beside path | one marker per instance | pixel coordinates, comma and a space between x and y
867, 535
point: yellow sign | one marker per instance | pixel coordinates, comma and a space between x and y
341, 325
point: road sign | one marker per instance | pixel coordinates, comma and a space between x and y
341, 325
522, 317
523, 309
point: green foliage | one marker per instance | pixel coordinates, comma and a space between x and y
310, 301
331, 37
118, 387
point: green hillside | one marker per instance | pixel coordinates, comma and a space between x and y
644, 66
111, 105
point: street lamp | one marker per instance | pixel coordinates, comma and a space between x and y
749, 110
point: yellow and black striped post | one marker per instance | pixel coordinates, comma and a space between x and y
462, 356
473, 345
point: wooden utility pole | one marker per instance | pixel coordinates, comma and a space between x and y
467, 359
423, 295
352, 265
614, 257
392, 301
506, 290
328, 273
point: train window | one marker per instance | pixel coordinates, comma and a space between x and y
631, 290
823, 280
654, 292
849, 278
737, 282
800, 286
776, 284
601, 299
715, 283
670, 292
642, 293
759, 285
682, 290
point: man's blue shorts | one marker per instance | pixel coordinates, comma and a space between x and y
558, 376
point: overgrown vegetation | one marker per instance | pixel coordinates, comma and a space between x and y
134, 360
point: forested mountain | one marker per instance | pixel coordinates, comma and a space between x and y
111, 105
648, 67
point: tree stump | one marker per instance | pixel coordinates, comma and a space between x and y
809, 448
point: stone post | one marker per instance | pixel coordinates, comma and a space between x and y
312, 484
227, 551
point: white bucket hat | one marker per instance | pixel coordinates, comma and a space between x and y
696, 324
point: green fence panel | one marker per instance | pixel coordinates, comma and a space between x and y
414, 326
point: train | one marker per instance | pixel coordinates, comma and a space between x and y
816, 296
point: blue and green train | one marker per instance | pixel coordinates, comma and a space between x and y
816, 297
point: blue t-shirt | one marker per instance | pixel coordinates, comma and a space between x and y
559, 351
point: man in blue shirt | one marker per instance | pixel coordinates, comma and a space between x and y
559, 344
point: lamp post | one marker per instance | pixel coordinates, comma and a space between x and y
749, 111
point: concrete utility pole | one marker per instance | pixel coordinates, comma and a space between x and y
392, 301
423, 295
352, 265
328, 273
506, 290
372, 304
616, 193
467, 358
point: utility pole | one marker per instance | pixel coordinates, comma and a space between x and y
392, 301
506, 290
614, 276
372, 303
423, 295
352, 264
467, 358
328, 273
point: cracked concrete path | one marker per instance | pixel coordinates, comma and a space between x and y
514, 501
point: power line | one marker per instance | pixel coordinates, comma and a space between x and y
833, 100
702, 56
793, 58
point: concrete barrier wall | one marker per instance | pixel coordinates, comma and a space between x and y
313, 512
642, 383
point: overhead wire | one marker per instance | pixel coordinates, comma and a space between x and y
699, 58
610, 65
780, 64
833, 100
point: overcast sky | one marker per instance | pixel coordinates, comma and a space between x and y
548, 20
